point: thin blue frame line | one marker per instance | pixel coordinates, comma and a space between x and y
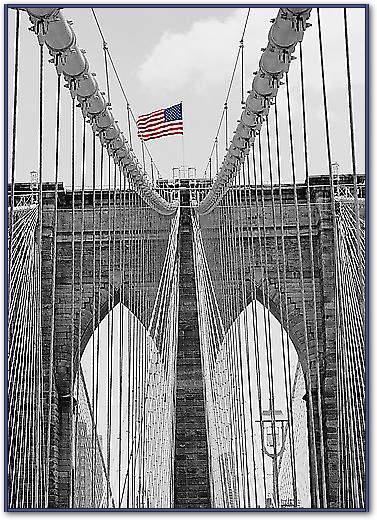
5, 258
198, 6
7, 7
192, 510
367, 165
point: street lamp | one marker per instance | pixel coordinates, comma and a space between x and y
274, 433
34, 183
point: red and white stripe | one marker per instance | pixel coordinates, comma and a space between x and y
153, 125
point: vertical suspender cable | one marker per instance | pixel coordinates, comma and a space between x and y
312, 274
137, 344
267, 327
109, 302
246, 327
53, 286
145, 344
328, 150
72, 360
13, 170
121, 333
225, 309
229, 264
303, 305
352, 139
254, 317
134, 416
240, 474
287, 379
40, 224
235, 197
113, 262
285, 289
140, 348
264, 306
109, 327
99, 302
128, 404
142, 355
14, 138
93, 361
81, 263
35, 502
130, 320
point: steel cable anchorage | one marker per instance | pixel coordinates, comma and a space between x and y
56, 32
286, 31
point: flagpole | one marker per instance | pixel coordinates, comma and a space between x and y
183, 143
183, 151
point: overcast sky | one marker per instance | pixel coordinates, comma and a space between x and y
167, 55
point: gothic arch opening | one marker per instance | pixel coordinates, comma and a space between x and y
122, 425
293, 324
124, 298
261, 412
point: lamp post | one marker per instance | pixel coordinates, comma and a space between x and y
34, 186
335, 172
274, 423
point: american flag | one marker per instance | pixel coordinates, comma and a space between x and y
166, 121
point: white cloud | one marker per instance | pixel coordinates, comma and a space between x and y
203, 55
